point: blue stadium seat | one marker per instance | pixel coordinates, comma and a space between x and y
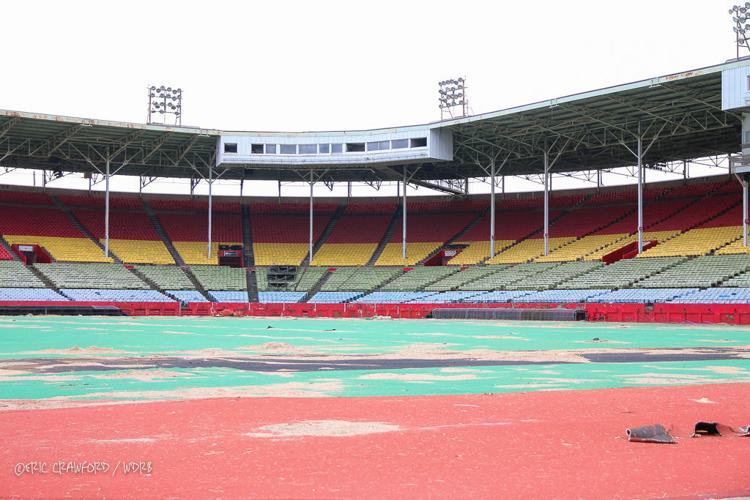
562, 296
104, 295
642, 295
333, 297
228, 295
186, 296
451, 297
37, 294
280, 297
715, 296
498, 297
392, 297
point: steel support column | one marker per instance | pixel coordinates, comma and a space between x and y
210, 208
310, 249
106, 210
492, 208
639, 154
403, 219
546, 202
744, 212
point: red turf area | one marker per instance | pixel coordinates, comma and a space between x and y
544, 444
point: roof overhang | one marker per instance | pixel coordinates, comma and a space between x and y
677, 117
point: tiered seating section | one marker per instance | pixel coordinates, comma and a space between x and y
699, 255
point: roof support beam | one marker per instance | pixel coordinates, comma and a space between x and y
5, 127
53, 143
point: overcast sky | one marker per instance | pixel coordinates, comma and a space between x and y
317, 65
328, 65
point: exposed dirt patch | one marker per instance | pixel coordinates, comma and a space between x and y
143, 375
278, 348
91, 350
726, 370
322, 428
704, 401
287, 390
415, 377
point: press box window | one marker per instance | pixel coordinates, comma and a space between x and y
355, 147
400, 144
378, 146
308, 149
324, 149
336, 148
420, 142
256, 149
270, 149
230, 147
288, 149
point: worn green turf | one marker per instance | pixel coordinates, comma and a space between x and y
27, 338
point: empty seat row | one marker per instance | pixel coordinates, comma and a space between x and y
104, 276
280, 297
112, 295
334, 297
642, 295
700, 272
166, 277
15, 274
359, 278
221, 277
419, 277
30, 294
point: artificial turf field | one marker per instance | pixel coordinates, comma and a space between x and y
269, 407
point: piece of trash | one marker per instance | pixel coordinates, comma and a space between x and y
650, 434
706, 429
745, 431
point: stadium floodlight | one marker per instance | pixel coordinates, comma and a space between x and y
740, 16
164, 101
452, 95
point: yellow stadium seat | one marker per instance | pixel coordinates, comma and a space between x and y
415, 252
527, 250
582, 247
737, 246
271, 254
63, 249
141, 251
195, 252
647, 236
477, 251
344, 254
695, 242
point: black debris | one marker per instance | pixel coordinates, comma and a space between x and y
706, 429
650, 434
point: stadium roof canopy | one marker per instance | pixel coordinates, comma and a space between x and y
678, 117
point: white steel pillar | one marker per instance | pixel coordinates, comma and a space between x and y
744, 212
492, 208
546, 202
210, 211
310, 248
106, 210
639, 154
403, 219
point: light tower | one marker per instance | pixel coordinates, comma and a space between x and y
740, 15
451, 95
164, 101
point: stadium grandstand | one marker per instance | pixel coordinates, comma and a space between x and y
681, 241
